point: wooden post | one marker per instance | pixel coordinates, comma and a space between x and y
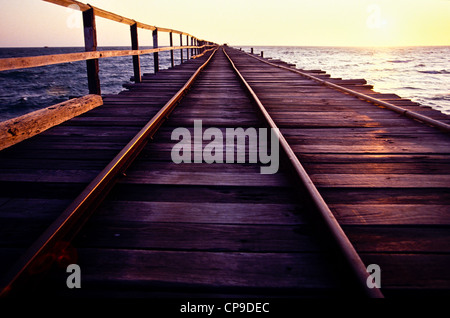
90, 44
251, 50
187, 44
171, 51
136, 60
262, 54
181, 51
155, 46
192, 44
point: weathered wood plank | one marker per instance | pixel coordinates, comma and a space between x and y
207, 269
18, 129
222, 212
378, 168
392, 214
200, 237
395, 239
381, 180
414, 272
203, 178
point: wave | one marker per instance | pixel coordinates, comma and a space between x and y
400, 61
410, 88
441, 97
435, 72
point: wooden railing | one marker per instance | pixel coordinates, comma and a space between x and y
17, 129
91, 54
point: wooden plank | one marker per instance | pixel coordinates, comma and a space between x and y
21, 233
207, 269
428, 168
41, 190
202, 178
49, 175
184, 211
218, 194
392, 196
18, 129
403, 132
32, 209
394, 239
392, 214
414, 272
67, 164
374, 158
381, 148
200, 237
381, 180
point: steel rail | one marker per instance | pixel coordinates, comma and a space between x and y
344, 244
403, 111
67, 225
204, 52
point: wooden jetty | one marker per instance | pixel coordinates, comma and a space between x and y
363, 180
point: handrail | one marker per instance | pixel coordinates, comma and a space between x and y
91, 54
15, 63
77, 5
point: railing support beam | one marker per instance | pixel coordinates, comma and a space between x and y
181, 51
172, 63
187, 44
155, 46
90, 44
136, 60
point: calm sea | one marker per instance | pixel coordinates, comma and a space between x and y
419, 73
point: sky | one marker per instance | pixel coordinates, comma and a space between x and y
36, 23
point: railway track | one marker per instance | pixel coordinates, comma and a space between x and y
147, 226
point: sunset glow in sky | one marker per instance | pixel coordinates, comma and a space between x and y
237, 22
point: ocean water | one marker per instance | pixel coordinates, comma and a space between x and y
26, 90
419, 73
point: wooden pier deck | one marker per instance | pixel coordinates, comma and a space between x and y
197, 229
385, 177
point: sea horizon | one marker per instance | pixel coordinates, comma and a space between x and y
237, 45
419, 73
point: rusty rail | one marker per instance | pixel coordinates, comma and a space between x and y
339, 236
65, 227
